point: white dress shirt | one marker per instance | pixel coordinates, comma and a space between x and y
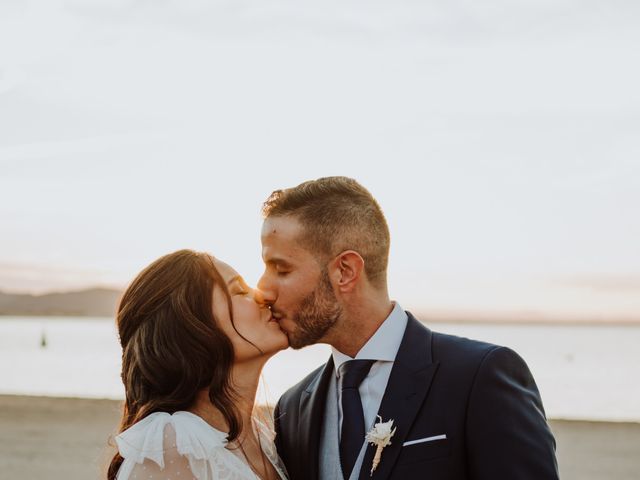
382, 347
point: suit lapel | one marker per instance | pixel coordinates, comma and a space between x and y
312, 406
411, 376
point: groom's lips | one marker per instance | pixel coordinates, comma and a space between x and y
277, 317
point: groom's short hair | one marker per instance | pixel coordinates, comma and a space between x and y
337, 214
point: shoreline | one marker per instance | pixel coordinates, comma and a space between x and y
462, 318
68, 438
118, 401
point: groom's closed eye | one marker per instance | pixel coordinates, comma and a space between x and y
280, 266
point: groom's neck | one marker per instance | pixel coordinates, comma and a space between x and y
360, 321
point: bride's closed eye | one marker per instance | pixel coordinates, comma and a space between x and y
240, 287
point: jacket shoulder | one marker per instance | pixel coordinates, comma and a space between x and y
467, 357
461, 351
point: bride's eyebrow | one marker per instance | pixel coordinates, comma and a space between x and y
237, 279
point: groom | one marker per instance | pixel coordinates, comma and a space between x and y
461, 409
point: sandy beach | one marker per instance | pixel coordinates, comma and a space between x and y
67, 439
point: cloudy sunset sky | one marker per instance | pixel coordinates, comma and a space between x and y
502, 140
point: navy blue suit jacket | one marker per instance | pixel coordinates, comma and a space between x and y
481, 396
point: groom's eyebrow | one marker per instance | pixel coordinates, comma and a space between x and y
278, 261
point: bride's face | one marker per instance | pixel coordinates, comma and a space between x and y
251, 317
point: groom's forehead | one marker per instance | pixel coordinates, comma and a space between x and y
284, 252
281, 228
284, 246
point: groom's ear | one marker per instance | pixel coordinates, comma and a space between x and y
348, 268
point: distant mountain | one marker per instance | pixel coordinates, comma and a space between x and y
95, 302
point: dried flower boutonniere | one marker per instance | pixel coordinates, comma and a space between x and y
380, 436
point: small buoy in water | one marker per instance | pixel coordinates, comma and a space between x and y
43, 340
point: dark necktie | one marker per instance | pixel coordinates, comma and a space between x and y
352, 373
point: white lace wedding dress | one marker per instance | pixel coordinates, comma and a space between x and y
183, 446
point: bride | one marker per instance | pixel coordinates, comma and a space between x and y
194, 338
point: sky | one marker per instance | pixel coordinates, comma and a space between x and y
500, 138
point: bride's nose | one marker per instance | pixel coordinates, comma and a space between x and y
258, 297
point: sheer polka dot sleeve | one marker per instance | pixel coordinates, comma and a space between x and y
176, 466
181, 446
163, 446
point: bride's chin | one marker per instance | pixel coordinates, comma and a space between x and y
283, 346
268, 353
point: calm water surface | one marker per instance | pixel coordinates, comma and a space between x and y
583, 372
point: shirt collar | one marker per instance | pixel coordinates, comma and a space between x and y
384, 344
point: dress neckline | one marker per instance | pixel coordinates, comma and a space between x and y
186, 413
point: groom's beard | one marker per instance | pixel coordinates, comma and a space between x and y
319, 311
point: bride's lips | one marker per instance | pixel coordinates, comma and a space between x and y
277, 317
274, 317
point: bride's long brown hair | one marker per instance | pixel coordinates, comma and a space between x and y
172, 346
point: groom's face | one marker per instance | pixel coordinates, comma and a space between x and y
296, 284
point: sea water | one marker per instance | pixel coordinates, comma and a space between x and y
583, 372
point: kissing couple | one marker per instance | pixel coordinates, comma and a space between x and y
394, 400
